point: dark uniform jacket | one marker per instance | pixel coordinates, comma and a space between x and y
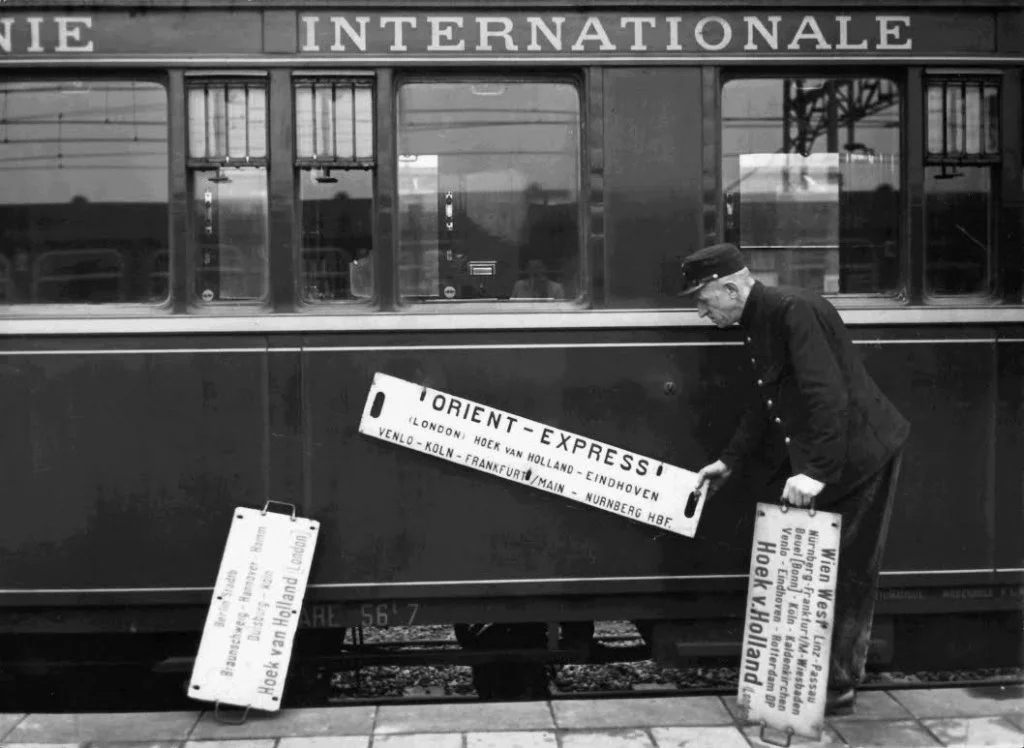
817, 398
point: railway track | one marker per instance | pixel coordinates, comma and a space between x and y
111, 689
388, 668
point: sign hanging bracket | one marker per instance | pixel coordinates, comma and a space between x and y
764, 736
282, 503
219, 715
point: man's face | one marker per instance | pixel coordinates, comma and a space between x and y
720, 302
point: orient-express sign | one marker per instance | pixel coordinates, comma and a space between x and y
247, 640
450, 35
787, 634
532, 454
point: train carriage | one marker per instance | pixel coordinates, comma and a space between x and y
220, 219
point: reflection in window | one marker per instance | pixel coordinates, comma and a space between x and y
335, 157
228, 163
227, 121
811, 181
337, 235
334, 120
83, 192
488, 184
958, 206
963, 152
231, 234
963, 119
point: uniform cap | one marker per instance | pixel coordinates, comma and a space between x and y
710, 263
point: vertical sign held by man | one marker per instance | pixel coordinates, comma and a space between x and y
787, 633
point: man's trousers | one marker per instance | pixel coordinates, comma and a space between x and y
866, 509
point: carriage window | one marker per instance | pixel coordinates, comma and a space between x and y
811, 181
488, 191
963, 153
227, 160
83, 192
335, 158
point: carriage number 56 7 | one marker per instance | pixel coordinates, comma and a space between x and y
389, 614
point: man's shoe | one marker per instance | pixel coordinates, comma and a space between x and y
840, 703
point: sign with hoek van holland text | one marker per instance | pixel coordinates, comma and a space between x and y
532, 454
247, 640
787, 634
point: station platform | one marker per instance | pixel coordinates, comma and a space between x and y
903, 718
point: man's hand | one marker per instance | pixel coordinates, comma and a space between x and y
714, 474
800, 490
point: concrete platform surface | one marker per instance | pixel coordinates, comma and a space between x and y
971, 718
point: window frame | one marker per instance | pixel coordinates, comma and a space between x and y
113, 308
191, 303
994, 290
583, 300
365, 79
899, 296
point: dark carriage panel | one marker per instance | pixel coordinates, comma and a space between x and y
395, 516
121, 469
653, 188
1009, 479
391, 515
941, 515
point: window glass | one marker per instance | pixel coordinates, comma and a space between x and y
337, 235
961, 163
334, 155
958, 206
811, 181
227, 120
83, 192
231, 234
334, 119
228, 165
488, 185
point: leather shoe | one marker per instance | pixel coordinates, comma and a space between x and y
840, 703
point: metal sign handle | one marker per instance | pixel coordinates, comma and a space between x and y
764, 739
812, 510
282, 503
219, 715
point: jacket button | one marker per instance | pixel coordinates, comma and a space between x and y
787, 440
753, 360
760, 383
770, 403
749, 340
778, 420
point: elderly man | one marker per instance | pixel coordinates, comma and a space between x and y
841, 440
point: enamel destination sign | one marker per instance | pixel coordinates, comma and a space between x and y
787, 634
533, 454
247, 640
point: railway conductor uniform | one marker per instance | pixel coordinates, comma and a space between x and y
821, 420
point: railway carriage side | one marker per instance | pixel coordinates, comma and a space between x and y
218, 223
